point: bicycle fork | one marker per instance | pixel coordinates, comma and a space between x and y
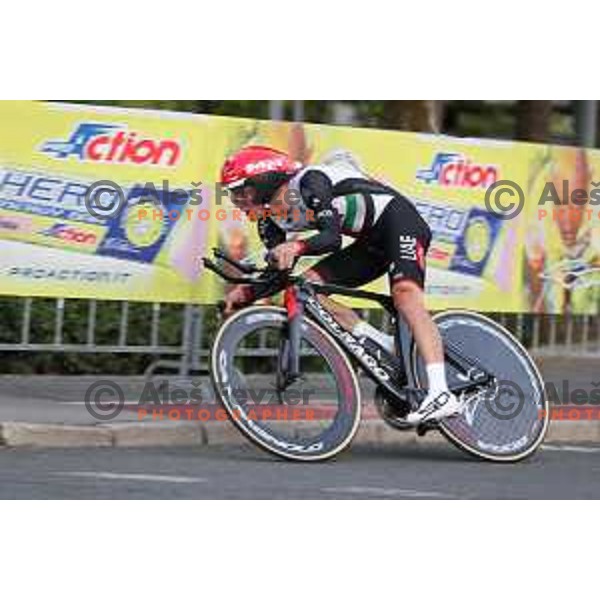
289, 360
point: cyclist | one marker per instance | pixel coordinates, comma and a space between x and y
337, 198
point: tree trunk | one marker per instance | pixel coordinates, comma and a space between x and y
533, 120
413, 115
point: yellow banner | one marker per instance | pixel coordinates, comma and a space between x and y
165, 166
50, 243
474, 259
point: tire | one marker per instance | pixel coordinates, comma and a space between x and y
496, 432
335, 438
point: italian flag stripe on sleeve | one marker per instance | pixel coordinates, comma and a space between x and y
350, 216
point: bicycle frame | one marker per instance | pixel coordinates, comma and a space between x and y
301, 296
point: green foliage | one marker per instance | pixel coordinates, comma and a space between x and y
472, 118
257, 109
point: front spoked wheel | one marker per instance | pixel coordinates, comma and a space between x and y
309, 418
503, 422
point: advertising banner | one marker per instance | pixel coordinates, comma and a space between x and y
51, 244
160, 170
475, 259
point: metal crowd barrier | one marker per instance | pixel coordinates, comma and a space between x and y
183, 355
189, 341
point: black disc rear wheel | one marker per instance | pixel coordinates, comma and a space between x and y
505, 422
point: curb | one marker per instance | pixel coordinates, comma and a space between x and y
125, 435
155, 434
573, 431
37, 435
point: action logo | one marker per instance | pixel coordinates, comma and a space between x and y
69, 233
100, 142
455, 170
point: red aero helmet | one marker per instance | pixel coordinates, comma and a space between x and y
253, 163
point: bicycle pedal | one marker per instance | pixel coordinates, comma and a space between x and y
423, 428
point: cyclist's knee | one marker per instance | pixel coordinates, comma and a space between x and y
407, 293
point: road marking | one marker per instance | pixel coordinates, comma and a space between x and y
132, 476
379, 491
582, 449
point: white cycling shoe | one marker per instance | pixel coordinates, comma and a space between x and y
435, 406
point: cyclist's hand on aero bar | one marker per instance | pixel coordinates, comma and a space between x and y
284, 256
237, 297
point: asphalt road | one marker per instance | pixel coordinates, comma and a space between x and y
432, 472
